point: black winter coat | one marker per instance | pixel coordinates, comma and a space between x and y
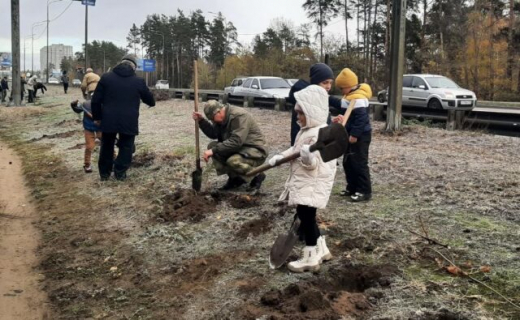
117, 98
300, 85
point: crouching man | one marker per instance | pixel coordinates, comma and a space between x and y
240, 144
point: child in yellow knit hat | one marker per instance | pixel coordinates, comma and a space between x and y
355, 160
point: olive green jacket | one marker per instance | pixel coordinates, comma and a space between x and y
239, 133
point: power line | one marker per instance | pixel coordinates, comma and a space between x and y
62, 12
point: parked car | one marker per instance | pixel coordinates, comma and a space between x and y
264, 87
291, 81
382, 96
162, 84
54, 81
76, 82
434, 92
237, 82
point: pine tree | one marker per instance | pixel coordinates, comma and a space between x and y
321, 12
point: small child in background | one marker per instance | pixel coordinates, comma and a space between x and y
92, 131
355, 160
310, 179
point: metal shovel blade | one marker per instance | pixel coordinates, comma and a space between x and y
196, 180
283, 246
332, 142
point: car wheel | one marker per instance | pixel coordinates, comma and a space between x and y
381, 98
435, 104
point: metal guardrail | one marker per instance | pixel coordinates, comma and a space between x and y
487, 115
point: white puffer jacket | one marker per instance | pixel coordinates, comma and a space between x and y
310, 185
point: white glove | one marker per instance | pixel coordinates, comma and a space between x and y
308, 158
272, 161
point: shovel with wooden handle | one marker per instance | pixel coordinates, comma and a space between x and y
331, 144
196, 176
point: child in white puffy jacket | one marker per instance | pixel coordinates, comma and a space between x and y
310, 180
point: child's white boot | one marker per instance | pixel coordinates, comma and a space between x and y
323, 251
310, 261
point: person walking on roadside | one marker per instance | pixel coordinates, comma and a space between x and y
91, 130
239, 146
310, 179
89, 83
355, 160
65, 81
4, 85
30, 88
115, 109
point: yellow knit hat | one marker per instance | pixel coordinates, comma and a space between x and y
346, 79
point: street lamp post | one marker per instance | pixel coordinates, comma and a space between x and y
48, 3
24, 40
32, 44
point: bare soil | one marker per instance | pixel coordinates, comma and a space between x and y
151, 248
20, 294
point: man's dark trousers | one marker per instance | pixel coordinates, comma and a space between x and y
106, 156
355, 164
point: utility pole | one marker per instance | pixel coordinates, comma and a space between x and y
48, 3
395, 101
15, 49
86, 38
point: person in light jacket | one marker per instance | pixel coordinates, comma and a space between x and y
310, 179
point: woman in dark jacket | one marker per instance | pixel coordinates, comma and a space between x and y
320, 74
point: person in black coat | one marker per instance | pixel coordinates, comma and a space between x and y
38, 86
4, 88
322, 75
115, 108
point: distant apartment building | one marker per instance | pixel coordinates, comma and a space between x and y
56, 53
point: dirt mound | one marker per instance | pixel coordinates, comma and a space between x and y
61, 135
237, 201
186, 204
331, 296
171, 158
254, 228
144, 159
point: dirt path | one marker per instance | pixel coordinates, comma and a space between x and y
20, 297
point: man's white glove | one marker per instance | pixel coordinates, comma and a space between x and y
308, 158
272, 161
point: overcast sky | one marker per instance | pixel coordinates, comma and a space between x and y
110, 20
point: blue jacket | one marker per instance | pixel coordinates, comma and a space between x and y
359, 123
88, 122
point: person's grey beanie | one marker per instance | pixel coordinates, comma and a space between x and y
130, 57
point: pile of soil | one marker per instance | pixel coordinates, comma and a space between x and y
237, 201
338, 293
254, 227
143, 159
186, 204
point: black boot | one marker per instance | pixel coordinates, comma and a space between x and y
232, 183
256, 183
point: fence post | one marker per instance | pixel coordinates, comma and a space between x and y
455, 120
186, 95
249, 102
378, 112
203, 97
223, 98
279, 104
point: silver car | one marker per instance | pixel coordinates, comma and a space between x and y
264, 87
436, 92
237, 82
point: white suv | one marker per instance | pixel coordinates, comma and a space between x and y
162, 84
436, 92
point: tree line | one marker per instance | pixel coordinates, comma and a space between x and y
476, 43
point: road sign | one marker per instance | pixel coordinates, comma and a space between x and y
5, 59
88, 2
146, 65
